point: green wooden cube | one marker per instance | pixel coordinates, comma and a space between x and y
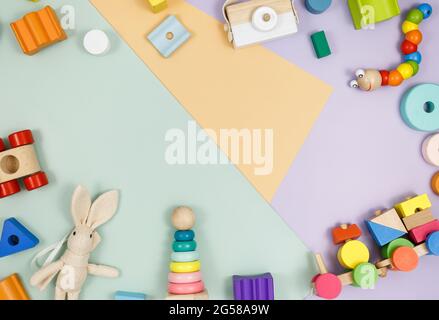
320, 43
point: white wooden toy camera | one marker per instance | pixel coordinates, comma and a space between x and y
255, 21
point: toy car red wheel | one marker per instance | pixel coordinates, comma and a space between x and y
327, 286
9, 188
2, 145
35, 181
21, 138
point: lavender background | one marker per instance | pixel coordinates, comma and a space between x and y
360, 156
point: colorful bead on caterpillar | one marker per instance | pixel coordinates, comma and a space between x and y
371, 79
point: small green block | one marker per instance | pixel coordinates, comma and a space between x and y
320, 43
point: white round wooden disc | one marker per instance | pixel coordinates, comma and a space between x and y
96, 42
430, 149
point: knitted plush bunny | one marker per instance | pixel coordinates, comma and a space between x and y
73, 266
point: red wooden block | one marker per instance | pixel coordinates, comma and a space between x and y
419, 234
345, 232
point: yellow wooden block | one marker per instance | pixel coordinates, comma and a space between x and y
158, 5
413, 205
185, 267
352, 253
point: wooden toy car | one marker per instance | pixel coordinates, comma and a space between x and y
20, 161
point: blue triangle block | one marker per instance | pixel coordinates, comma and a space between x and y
15, 238
382, 234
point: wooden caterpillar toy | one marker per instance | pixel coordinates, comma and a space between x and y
371, 79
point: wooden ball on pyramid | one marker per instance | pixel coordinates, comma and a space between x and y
183, 218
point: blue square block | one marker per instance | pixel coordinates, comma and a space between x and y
125, 295
169, 36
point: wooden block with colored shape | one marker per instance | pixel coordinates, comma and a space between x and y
418, 219
419, 234
345, 232
37, 30
15, 238
158, 5
413, 205
366, 12
320, 44
11, 288
385, 227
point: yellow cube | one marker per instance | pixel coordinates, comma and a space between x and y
158, 5
413, 205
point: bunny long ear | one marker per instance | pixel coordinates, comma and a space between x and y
103, 209
81, 203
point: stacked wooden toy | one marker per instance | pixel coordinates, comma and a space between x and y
185, 280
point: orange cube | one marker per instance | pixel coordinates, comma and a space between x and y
37, 30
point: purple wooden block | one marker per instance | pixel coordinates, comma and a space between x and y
260, 287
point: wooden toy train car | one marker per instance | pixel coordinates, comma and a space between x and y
20, 161
404, 234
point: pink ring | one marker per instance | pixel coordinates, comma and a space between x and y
186, 277
185, 288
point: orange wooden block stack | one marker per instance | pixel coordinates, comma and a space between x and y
37, 30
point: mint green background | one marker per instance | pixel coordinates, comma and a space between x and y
101, 121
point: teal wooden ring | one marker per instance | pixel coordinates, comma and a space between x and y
187, 256
184, 235
420, 107
182, 246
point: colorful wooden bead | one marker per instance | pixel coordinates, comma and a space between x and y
435, 183
415, 56
353, 253
408, 47
184, 235
388, 249
184, 277
395, 78
432, 243
430, 149
384, 77
186, 288
420, 107
414, 65
405, 70
365, 275
327, 286
426, 10
415, 16
318, 6
183, 218
405, 259
185, 267
414, 36
183, 246
185, 256
408, 26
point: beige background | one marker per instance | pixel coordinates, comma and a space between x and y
226, 88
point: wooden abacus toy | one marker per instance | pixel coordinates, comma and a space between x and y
185, 281
371, 79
